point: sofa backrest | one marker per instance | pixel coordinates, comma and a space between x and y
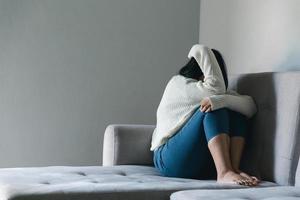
272, 149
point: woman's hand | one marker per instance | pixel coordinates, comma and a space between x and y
205, 105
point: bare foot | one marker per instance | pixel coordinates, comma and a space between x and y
234, 178
254, 179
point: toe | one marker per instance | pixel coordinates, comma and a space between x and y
256, 179
247, 182
237, 182
243, 182
251, 183
240, 183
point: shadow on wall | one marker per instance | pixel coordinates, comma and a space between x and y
254, 36
292, 60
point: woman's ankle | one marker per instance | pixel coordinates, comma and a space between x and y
222, 173
237, 170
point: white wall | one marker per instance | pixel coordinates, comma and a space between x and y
253, 35
68, 68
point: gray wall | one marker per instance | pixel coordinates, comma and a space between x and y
68, 68
253, 35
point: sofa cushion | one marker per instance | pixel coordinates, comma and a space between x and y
271, 193
273, 147
95, 182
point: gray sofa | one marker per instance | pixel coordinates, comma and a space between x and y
272, 153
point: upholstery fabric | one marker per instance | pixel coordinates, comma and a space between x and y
95, 182
271, 193
127, 144
273, 147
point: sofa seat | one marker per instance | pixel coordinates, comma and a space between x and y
270, 193
96, 182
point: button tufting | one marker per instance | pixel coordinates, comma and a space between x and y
81, 173
94, 182
45, 183
122, 173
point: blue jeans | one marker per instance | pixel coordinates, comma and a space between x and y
186, 154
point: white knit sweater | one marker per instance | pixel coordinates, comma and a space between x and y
183, 95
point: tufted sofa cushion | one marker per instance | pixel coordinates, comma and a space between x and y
273, 146
272, 193
95, 182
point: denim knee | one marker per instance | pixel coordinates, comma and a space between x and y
216, 122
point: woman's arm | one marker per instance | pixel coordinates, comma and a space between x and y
243, 104
213, 82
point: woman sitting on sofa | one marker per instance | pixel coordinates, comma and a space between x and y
201, 127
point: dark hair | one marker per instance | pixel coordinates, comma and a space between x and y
222, 65
192, 69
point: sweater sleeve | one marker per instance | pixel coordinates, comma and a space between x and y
213, 82
243, 104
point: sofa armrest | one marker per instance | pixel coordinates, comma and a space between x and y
127, 144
